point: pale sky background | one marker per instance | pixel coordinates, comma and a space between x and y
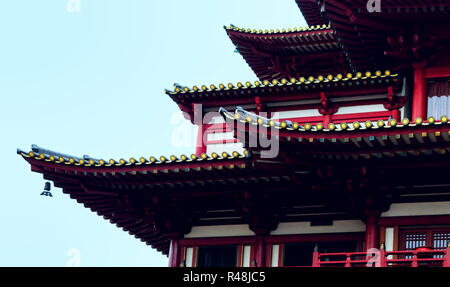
93, 83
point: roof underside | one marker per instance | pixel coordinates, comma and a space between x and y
310, 9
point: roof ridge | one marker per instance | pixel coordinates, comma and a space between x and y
50, 156
278, 31
251, 118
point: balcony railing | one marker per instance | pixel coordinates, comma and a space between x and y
382, 258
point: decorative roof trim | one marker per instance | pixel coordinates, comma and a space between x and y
250, 118
152, 161
283, 82
317, 28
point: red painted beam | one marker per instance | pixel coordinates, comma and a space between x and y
224, 141
381, 115
277, 239
246, 240
437, 72
415, 220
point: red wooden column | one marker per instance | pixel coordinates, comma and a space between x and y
200, 122
420, 98
260, 251
327, 120
393, 106
372, 229
396, 115
174, 253
258, 105
327, 109
201, 146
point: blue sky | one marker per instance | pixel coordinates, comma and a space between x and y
92, 82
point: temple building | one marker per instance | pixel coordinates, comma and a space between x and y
337, 156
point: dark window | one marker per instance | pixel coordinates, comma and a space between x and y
338, 247
217, 256
300, 254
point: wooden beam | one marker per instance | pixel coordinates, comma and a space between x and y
437, 72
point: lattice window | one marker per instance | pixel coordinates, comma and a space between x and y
413, 240
432, 237
441, 239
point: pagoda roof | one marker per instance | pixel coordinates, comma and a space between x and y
153, 198
275, 91
282, 53
99, 184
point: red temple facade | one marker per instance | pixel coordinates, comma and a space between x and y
337, 156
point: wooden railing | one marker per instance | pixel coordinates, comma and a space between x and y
382, 258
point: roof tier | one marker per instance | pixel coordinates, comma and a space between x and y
284, 90
374, 40
393, 38
289, 53
348, 141
125, 192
